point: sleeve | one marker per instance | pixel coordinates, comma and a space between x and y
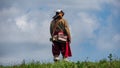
51, 31
67, 30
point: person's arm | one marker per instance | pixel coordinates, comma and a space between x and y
67, 31
51, 28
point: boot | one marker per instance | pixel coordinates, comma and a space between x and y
56, 59
66, 59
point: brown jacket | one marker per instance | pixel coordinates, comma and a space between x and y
62, 25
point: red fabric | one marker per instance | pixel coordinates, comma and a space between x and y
68, 50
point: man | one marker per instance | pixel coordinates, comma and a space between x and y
59, 30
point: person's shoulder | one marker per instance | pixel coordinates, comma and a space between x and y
63, 20
52, 21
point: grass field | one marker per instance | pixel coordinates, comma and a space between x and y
111, 63
62, 64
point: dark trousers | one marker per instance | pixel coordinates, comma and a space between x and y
58, 48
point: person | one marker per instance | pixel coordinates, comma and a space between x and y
59, 27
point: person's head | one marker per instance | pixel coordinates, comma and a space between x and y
59, 14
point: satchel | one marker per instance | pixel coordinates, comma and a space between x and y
62, 37
59, 38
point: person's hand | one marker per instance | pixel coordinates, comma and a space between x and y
69, 40
50, 40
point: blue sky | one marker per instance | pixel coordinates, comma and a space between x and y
24, 29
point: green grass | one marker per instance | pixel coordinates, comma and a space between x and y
101, 64
111, 63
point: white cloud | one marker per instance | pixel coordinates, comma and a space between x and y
38, 33
108, 42
104, 43
108, 38
23, 24
84, 27
18, 27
